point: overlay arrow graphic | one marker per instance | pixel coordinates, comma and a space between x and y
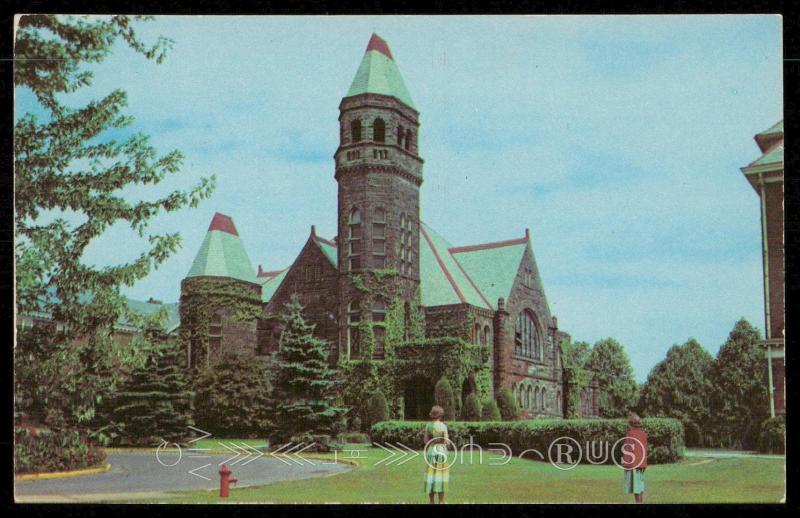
192, 472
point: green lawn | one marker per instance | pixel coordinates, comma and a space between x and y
522, 481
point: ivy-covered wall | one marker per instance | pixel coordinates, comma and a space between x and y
237, 304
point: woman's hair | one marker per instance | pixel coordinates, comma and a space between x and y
634, 420
437, 412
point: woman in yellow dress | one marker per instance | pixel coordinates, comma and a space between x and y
437, 474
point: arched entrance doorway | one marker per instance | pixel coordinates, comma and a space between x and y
467, 388
417, 399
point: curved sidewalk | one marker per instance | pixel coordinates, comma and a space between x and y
140, 474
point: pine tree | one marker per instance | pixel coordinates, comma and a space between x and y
154, 404
303, 397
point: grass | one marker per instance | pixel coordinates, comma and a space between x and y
693, 480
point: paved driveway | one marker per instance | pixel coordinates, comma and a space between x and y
137, 474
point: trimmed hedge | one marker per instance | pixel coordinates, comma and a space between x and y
40, 450
665, 435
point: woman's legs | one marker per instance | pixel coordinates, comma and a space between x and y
638, 498
431, 496
441, 497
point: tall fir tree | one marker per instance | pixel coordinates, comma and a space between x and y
679, 386
740, 401
303, 394
154, 404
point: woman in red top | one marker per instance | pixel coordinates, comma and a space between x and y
634, 458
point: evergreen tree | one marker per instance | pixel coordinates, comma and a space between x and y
509, 411
232, 397
679, 386
443, 395
471, 410
154, 404
740, 401
377, 408
489, 411
303, 397
611, 367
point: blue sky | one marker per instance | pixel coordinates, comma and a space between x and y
616, 140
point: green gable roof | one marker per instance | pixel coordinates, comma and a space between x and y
222, 253
442, 279
378, 74
270, 285
492, 268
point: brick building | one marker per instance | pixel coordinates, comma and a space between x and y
494, 287
765, 175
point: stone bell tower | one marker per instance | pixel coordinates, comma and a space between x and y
379, 173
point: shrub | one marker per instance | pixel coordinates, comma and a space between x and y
443, 394
773, 435
355, 424
471, 410
509, 411
490, 412
353, 437
46, 451
665, 436
377, 409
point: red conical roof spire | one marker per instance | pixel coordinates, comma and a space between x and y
222, 223
379, 44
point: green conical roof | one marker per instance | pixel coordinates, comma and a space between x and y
222, 253
378, 74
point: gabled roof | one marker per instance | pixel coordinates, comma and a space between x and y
269, 285
492, 266
329, 249
378, 74
222, 253
773, 155
442, 279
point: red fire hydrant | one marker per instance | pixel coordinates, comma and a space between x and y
225, 480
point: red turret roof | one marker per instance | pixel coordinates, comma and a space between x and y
222, 223
378, 43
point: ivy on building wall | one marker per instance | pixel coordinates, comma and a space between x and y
201, 297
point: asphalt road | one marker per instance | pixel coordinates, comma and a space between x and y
139, 473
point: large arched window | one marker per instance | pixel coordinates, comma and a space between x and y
353, 338
354, 240
527, 341
542, 398
355, 130
378, 130
526, 400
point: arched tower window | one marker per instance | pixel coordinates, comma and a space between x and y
542, 398
355, 130
379, 237
354, 240
378, 130
409, 140
487, 335
526, 400
476, 334
527, 340
353, 338
406, 247
401, 134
